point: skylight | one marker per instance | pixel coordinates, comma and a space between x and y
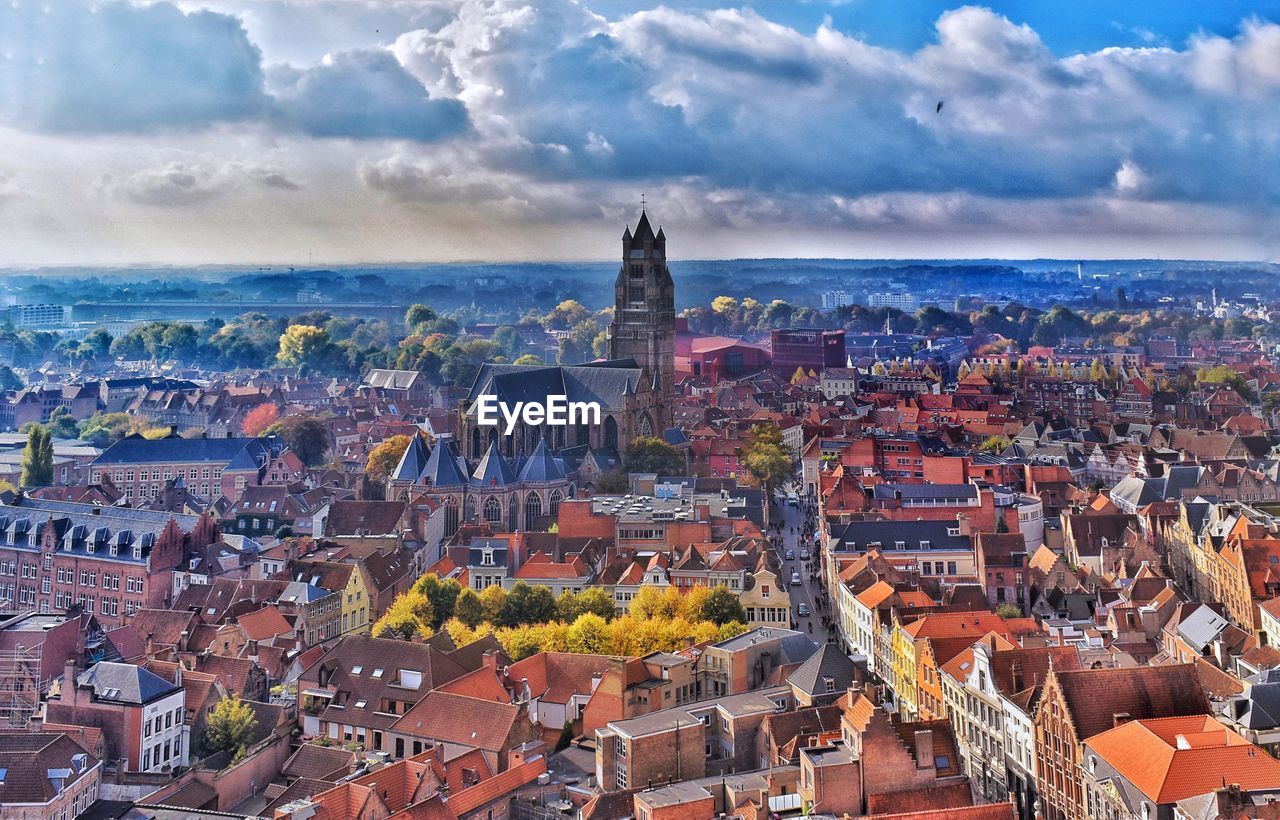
356, 670
377, 673
360, 704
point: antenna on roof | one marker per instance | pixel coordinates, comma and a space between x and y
642, 203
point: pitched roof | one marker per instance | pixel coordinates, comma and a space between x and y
319, 762
457, 719
828, 662
263, 624
124, 683
1095, 696
1174, 758
31, 762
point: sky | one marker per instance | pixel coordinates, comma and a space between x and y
372, 131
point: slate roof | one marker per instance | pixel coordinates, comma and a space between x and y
245, 453
827, 662
541, 466
445, 466
124, 683
414, 461
493, 470
603, 382
858, 535
1259, 706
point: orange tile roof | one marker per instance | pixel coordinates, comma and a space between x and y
478, 684
263, 624
1170, 759
490, 789
875, 595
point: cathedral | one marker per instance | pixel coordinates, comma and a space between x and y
521, 477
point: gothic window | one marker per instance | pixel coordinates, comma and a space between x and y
470, 509
475, 442
644, 427
611, 433
492, 510
635, 294
532, 509
513, 512
637, 271
450, 515
554, 502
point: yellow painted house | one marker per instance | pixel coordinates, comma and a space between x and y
346, 580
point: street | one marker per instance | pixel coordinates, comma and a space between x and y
792, 520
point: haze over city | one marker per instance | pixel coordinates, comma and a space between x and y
347, 132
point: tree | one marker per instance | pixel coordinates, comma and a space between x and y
384, 458
60, 423
493, 598
649, 454
306, 436
37, 458
526, 605
723, 606
1008, 611
614, 482
418, 315
409, 614
589, 634
104, 429
9, 380
598, 601
305, 346
528, 359
230, 726
468, 608
768, 461
257, 420
443, 594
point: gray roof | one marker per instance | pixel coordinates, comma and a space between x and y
493, 470
1259, 706
602, 382
541, 466
1200, 628
957, 492
239, 453
856, 536
827, 662
125, 683
414, 461
445, 466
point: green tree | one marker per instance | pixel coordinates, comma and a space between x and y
598, 601
468, 608
37, 458
307, 437
493, 598
526, 604
723, 606
1008, 611
104, 429
528, 359
443, 594
589, 634
649, 454
418, 315
230, 726
305, 346
9, 380
61, 424
613, 482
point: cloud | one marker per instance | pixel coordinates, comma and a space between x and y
362, 95
68, 66
186, 182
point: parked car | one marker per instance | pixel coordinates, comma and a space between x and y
791, 555
795, 579
803, 610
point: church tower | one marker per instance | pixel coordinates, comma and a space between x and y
644, 319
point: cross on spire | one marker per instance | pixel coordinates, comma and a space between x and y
642, 202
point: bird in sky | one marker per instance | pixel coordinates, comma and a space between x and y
938, 110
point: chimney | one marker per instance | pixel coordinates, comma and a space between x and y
69, 681
924, 749
149, 646
1119, 719
490, 660
1015, 671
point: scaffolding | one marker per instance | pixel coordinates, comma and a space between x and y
21, 683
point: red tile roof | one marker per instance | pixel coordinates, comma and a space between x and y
1171, 759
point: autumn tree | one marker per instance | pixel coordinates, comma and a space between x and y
257, 420
469, 608
230, 726
410, 614
384, 458
443, 594
767, 459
